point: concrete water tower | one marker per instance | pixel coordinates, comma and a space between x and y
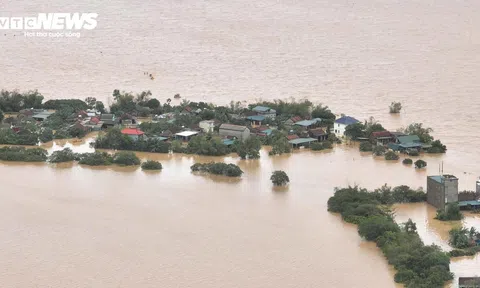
478, 185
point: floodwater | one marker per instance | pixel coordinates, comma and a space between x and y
74, 226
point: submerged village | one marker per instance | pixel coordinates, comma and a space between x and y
139, 122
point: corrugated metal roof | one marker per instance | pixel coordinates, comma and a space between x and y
306, 123
233, 127
187, 133
408, 139
302, 140
346, 120
261, 109
256, 118
466, 203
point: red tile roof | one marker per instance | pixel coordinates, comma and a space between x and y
95, 120
296, 119
291, 137
381, 134
132, 131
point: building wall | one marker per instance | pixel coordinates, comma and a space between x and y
435, 195
206, 126
451, 190
339, 129
245, 135
268, 114
241, 135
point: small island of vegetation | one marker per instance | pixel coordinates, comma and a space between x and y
152, 165
279, 178
417, 264
230, 170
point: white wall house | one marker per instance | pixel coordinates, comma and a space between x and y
207, 125
342, 123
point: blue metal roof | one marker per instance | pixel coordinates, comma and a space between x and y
228, 142
346, 120
268, 131
466, 203
261, 109
436, 178
256, 118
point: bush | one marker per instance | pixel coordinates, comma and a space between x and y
395, 107
373, 227
96, 159
279, 178
317, 146
65, 155
23, 154
46, 135
152, 165
230, 170
437, 147
413, 153
420, 164
390, 155
126, 158
451, 213
407, 161
366, 147
379, 150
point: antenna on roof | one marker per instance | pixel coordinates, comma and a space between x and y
442, 168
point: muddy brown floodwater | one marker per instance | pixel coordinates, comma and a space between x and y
73, 226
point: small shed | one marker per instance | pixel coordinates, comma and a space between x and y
302, 142
185, 135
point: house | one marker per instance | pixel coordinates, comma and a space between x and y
108, 120
308, 124
292, 120
406, 143
256, 120
381, 137
265, 111
469, 282
242, 133
442, 189
341, 123
318, 133
41, 116
208, 126
302, 142
185, 135
133, 133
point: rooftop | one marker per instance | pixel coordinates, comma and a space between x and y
346, 120
262, 109
233, 127
256, 118
302, 140
408, 139
381, 134
132, 131
187, 133
468, 280
306, 123
228, 142
439, 178
466, 203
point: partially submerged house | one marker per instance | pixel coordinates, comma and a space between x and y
341, 124
302, 142
381, 137
133, 133
185, 135
265, 111
242, 133
407, 143
318, 133
442, 189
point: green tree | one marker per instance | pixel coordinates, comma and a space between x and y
91, 102
379, 150
371, 126
46, 135
229, 170
420, 164
65, 155
100, 107
153, 103
366, 146
395, 107
390, 155
151, 165
2, 116
249, 149
410, 226
450, 213
355, 131
279, 178
459, 238
280, 146
374, 227
422, 132
407, 161
126, 158
437, 147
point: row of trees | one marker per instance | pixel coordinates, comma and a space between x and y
230, 170
450, 213
417, 264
